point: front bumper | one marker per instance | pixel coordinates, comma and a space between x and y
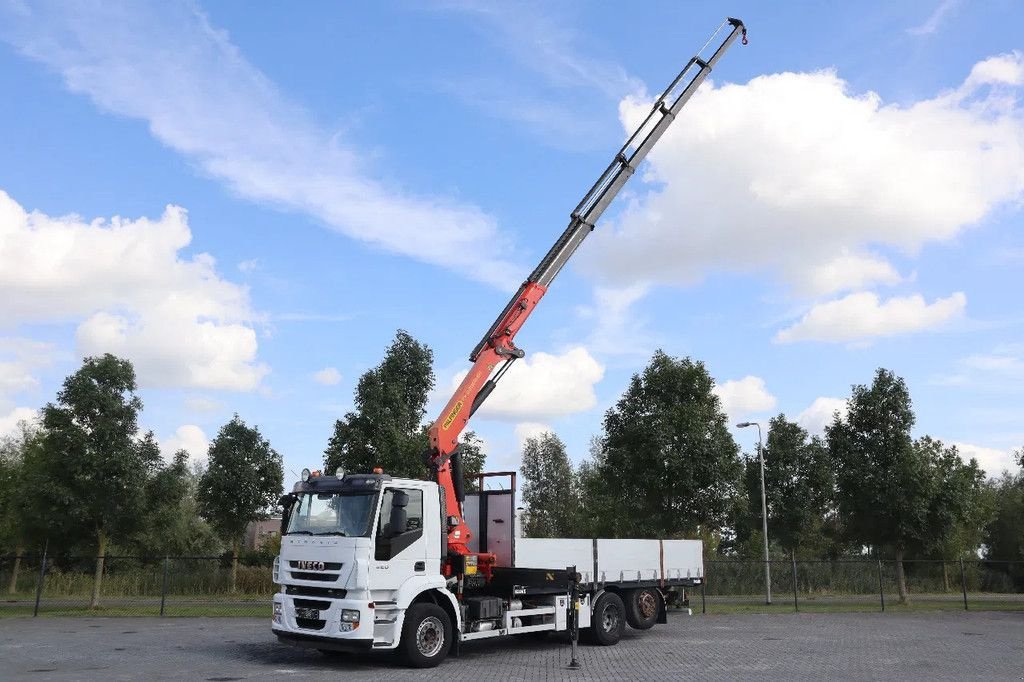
328, 627
320, 642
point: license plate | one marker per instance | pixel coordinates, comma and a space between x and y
312, 614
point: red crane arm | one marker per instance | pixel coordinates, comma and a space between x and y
497, 350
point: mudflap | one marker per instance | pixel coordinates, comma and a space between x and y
662, 609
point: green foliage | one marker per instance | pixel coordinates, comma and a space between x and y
549, 488
385, 428
473, 458
798, 486
669, 466
18, 523
883, 487
90, 465
1004, 536
242, 482
171, 525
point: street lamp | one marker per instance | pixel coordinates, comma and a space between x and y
764, 515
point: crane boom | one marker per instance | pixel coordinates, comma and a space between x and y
497, 350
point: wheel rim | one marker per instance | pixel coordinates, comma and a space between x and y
430, 636
648, 605
610, 618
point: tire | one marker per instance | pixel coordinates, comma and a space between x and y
607, 620
426, 635
642, 608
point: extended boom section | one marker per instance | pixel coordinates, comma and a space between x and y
496, 351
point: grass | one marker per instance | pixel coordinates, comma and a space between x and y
859, 604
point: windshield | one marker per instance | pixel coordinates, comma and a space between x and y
332, 514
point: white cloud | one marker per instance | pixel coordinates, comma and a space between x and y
863, 316
248, 266
1000, 368
793, 174
328, 376
187, 437
165, 64
615, 329
993, 461
526, 430
174, 317
931, 24
9, 422
819, 414
742, 397
19, 357
543, 386
849, 271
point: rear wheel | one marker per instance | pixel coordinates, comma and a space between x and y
608, 620
642, 607
426, 635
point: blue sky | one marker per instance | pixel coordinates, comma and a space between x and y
248, 200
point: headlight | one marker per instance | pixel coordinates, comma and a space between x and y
349, 616
278, 615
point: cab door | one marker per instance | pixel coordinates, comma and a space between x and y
399, 544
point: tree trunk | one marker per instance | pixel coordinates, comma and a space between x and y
12, 586
945, 575
234, 567
101, 554
901, 579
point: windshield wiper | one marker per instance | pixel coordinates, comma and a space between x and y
332, 532
300, 532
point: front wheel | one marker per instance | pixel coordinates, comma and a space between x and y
426, 635
608, 620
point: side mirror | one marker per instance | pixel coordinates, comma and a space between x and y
286, 503
399, 521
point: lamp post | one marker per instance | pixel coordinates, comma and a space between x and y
764, 515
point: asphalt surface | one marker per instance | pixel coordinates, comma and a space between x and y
848, 646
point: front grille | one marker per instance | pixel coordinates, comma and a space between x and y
310, 623
306, 591
312, 604
322, 577
328, 565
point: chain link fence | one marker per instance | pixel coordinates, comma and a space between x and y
203, 586
860, 585
135, 586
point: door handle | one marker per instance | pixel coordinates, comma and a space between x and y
419, 566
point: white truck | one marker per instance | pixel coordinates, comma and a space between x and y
375, 563
362, 561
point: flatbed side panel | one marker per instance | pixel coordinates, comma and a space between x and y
684, 559
556, 553
628, 560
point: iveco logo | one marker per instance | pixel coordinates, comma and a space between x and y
311, 565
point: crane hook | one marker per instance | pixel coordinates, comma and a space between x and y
744, 41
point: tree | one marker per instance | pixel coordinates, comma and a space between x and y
18, 523
1004, 535
385, 429
471, 449
798, 485
893, 492
549, 488
171, 524
242, 483
94, 467
669, 466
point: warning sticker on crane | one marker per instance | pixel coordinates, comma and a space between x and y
452, 415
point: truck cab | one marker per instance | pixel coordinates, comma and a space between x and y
356, 552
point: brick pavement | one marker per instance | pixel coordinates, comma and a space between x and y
849, 646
